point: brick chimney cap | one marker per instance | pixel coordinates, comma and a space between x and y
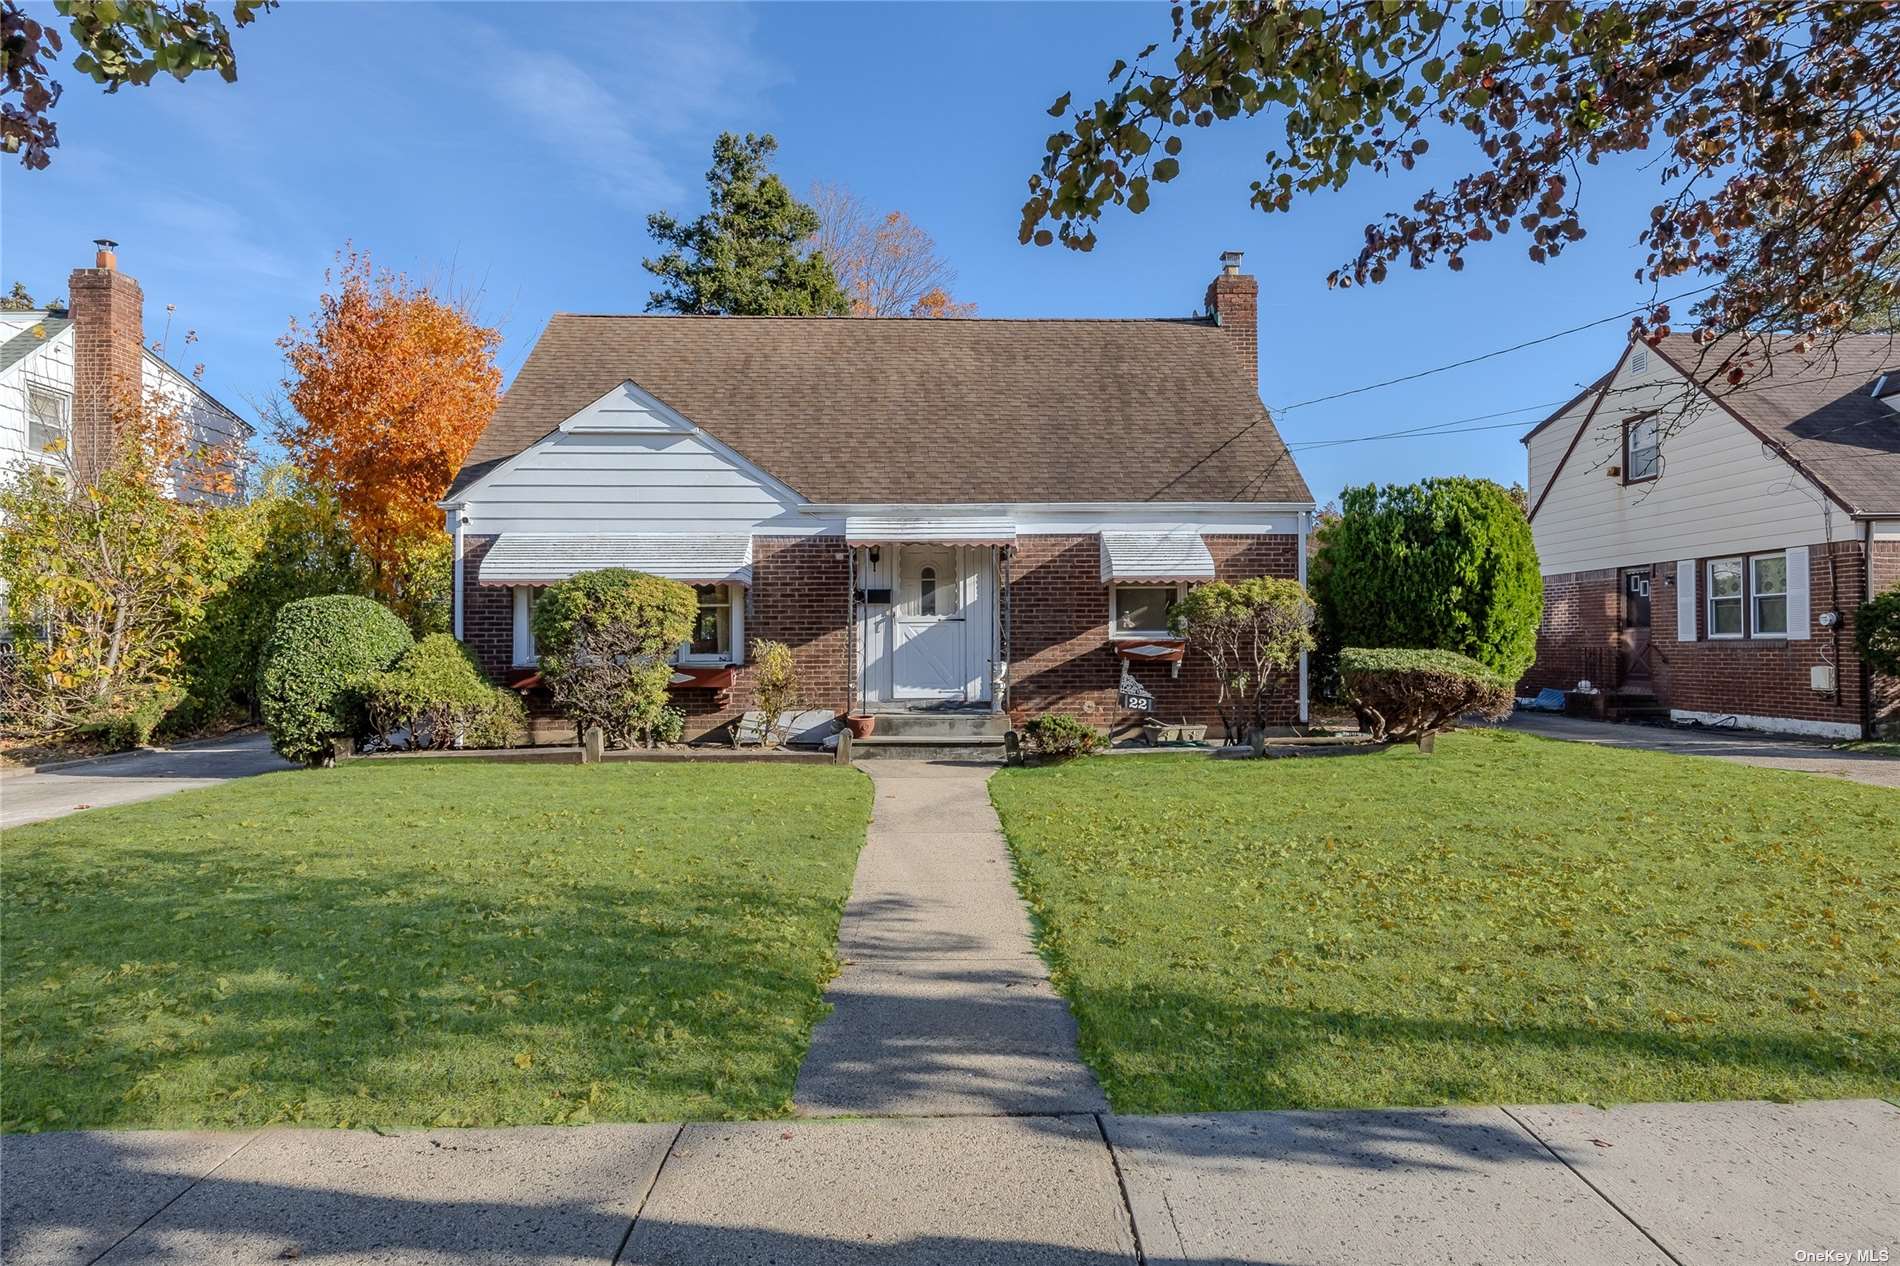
1230, 261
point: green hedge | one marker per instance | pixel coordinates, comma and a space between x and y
1445, 564
438, 696
1413, 694
317, 665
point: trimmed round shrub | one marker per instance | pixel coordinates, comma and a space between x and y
318, 663
1058, 737
1446, 564
604, 639
437, 697
1877, 632
1413, 694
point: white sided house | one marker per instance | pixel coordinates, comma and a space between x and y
1704, 548
983, 518
63, 370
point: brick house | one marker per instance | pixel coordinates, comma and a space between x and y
949, 515
1704, 549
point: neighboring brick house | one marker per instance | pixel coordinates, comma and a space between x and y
980, 515
1704, 549
62, 370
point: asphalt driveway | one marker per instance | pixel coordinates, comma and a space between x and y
1770, 751
33, 795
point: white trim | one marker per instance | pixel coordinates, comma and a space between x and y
1305, 526
523, 654
455, 518
841, 508
1771, 725
1787, 575
929, 529
1115, 634
1687, 600
1740, 599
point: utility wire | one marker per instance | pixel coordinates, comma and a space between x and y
1502, 351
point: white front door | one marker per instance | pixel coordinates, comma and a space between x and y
927, 653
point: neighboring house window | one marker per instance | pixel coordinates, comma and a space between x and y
1768, 595
712, 632
1725, 597
49, 418
1142, 610
1642, 449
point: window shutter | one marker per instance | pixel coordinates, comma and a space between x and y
1686, 600
1798, 594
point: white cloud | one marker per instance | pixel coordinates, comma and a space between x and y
655, 77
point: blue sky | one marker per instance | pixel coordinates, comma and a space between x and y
517, 148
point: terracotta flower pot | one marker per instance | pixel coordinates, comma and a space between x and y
861, 724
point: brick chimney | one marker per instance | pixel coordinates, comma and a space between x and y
108, 313
1233, 300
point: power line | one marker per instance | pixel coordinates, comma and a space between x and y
1502, 351
1687, 388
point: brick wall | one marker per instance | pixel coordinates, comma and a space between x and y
800, 588
800, 595
1061, 659
488, 612
1760, 677
108, 310
1577, 640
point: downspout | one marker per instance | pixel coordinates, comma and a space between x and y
1304, 715
456, 518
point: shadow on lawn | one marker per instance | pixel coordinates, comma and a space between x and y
1160, 1051
400, 995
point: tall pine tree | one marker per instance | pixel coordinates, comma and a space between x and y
750, 254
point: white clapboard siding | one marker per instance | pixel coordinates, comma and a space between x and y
1721, 490
1798, 594
630, 484
1687, 607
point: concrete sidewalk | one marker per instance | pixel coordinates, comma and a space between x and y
1727, 1183
943, 1006
52, 791
1744, 747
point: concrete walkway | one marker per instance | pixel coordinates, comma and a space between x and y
1726, 1184
1746, 747
51, 791
943, 1007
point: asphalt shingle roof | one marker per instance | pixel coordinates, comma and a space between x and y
1818, 407
928, 411
30, 340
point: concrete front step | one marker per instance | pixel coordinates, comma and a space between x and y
941, 725
977, 747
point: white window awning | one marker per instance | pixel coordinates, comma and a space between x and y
516, 559
925, 530
1154, 557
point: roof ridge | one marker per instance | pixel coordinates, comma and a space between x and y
938, 321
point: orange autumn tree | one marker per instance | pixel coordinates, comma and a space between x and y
390, 383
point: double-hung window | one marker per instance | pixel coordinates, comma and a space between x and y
49, 418
712, 629
1725, 597
1768, 595
1642, 449
1142, 610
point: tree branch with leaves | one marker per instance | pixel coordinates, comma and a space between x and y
1778, 127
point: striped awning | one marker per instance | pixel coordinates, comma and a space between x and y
516, 559
1137, 557
924, 530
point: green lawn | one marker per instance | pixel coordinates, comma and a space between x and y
427, 943
1510, 920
